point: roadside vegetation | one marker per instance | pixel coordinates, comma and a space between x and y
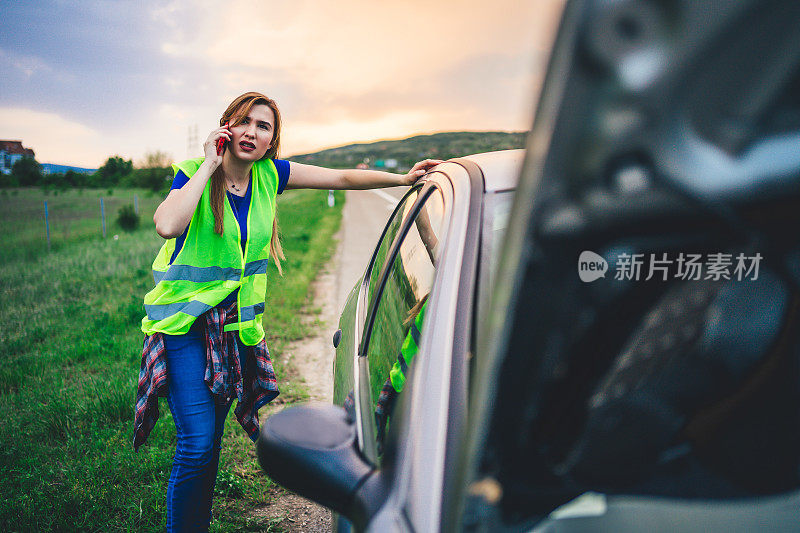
70, 349
153, 172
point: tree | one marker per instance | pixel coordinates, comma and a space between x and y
76, 179
27, 172
154, 171
155, 159
8, 180
53, 180
113, 170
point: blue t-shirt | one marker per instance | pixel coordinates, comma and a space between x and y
240, 206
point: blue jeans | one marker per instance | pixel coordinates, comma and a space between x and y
199, 423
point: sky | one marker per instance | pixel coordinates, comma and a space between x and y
82, 81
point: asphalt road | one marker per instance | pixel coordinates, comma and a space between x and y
363, 218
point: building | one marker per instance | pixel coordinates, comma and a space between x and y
10, 153
51, 168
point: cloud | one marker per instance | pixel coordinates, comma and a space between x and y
26, 65
307, 136
142, 74
354, 47
77, 143
96, 62
346, 68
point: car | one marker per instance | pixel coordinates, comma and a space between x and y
596, 382
444, 234
432, 266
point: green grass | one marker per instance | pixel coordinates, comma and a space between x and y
73, 214
70, 348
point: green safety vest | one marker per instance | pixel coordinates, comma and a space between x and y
210, 266
407, 352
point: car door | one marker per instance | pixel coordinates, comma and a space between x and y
432, 407
391, 473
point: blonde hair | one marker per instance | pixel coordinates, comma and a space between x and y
236, 112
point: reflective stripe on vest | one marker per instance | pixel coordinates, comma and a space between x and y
210, 266
409, 349
202, 274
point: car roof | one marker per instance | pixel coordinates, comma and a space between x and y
500, 169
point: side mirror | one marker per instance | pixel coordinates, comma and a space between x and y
311, 450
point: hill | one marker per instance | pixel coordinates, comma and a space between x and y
408, 151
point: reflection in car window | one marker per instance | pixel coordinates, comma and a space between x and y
401, 311
497, 208
386, 242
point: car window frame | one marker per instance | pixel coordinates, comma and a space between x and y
464, 180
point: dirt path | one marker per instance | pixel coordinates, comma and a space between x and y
313, 359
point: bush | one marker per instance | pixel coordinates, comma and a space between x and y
113, 170
8, 180
76, 179
127, 218
155, 179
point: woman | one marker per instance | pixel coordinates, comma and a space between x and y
219, 219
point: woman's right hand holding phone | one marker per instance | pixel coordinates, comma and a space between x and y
210, 147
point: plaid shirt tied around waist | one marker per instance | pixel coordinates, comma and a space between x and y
224, 376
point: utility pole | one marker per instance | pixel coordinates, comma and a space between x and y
191, 141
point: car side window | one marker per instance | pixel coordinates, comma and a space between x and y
389, 234
496, 213
344, 373
401, 311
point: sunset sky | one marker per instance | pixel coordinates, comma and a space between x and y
85, 80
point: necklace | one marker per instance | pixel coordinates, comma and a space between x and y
237, 189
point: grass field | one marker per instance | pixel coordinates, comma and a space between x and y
74, 216
70, 349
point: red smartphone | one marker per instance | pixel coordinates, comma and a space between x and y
221, 142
